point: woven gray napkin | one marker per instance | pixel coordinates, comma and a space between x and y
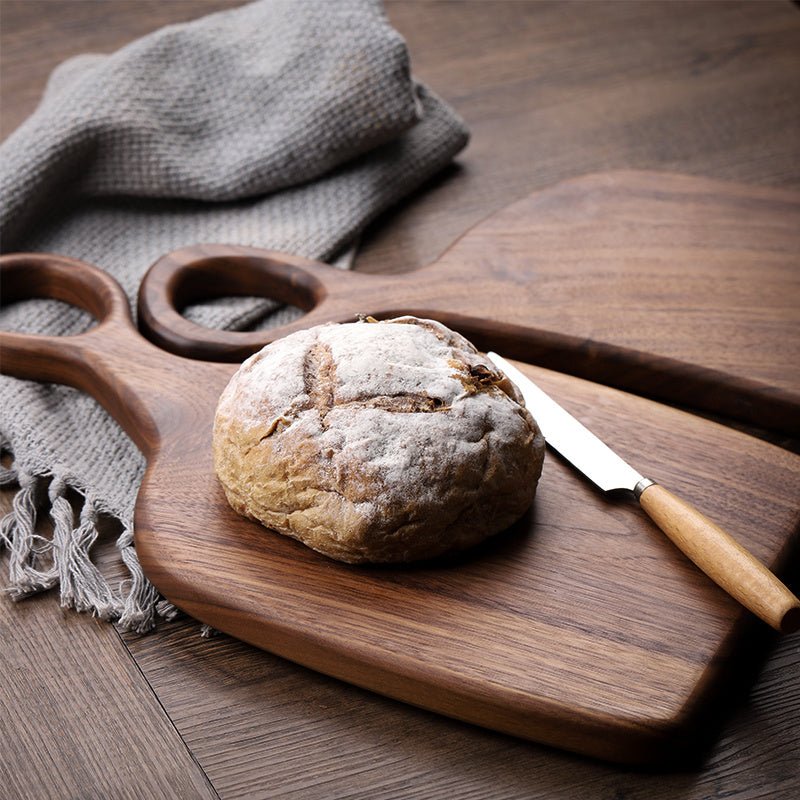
283, 124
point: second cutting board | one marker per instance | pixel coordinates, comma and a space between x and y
680, 288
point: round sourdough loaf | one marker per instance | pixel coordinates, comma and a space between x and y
377, 441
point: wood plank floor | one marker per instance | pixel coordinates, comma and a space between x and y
77, 716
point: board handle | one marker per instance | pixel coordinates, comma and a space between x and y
326, 294
110, 361
204, 272
722, 558
58, 359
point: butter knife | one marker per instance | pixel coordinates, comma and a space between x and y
714, 551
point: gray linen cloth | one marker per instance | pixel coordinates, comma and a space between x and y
284, 124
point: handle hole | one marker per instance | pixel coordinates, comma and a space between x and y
51, 295
241, 313
45, 317
237, 292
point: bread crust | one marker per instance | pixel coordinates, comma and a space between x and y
377, 442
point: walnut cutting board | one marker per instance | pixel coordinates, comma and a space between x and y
679, 288
580, 627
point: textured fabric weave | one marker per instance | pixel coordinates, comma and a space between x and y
281, 124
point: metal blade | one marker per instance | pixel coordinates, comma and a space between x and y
571, 439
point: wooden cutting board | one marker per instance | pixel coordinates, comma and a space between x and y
580, 627
678, 288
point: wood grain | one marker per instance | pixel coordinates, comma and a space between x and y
520, 638
548, 90
552, 90
680, 288
77, 717
264, 727
723, 559
516, 636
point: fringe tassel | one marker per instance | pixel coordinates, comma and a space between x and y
138, 613
166, 610
26, 547
82, 586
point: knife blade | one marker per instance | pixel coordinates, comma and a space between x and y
713, 550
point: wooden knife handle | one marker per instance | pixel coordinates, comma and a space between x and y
723, 559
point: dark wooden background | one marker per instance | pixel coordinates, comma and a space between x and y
549, 90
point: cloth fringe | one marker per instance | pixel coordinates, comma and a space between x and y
207, 632
37, 564
26, 548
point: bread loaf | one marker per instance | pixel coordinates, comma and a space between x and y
376, 441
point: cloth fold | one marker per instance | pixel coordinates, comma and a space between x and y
283, 124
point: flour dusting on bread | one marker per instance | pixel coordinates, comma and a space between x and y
377, 441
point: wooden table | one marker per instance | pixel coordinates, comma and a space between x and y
549, 90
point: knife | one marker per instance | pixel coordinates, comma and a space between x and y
714, 551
